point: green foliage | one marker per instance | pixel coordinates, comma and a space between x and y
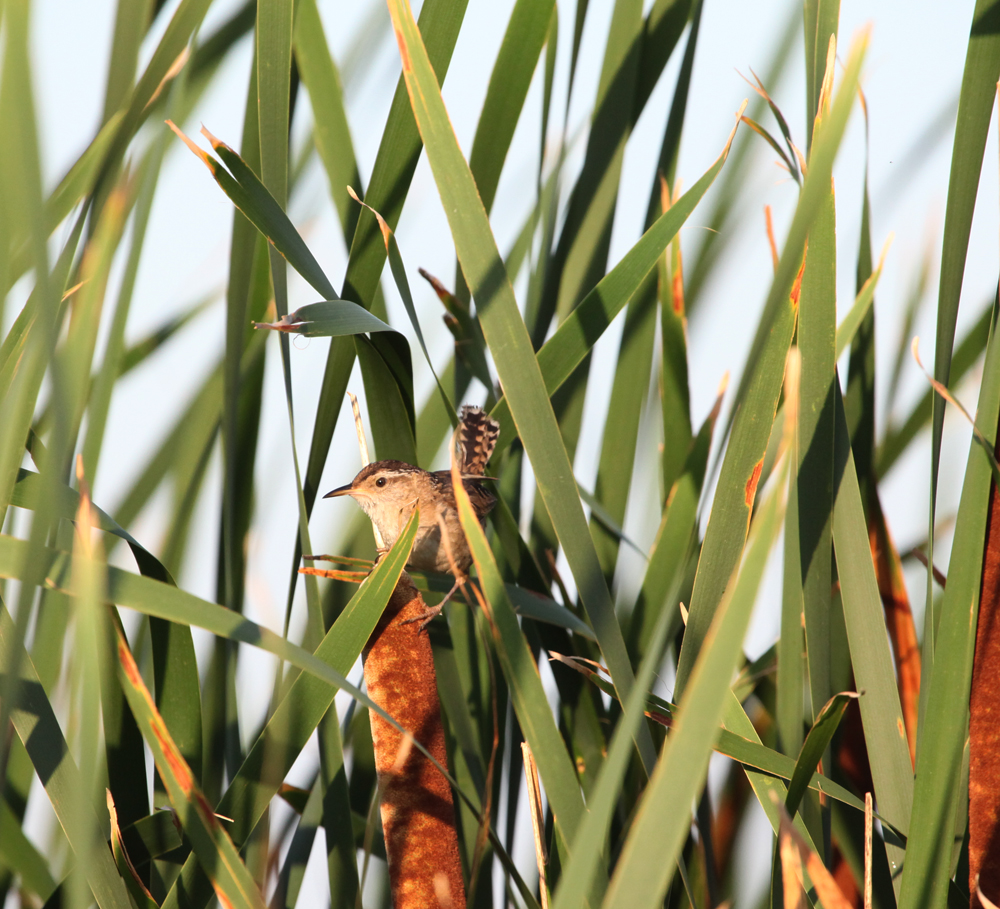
621, 766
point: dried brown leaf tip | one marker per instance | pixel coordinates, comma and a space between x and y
451, 302
732, 135
382, 226
826, 89
769, 223
291, 322
216, 143
210, 163
119, 850
826, 888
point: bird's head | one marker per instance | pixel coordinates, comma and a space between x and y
387, 491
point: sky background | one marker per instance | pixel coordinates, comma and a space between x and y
911, 79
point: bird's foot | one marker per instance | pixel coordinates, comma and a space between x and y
430, 612
424, 616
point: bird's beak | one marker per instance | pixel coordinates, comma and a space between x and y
340, 491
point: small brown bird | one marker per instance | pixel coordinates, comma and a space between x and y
388, 491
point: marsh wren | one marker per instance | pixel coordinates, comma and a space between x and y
388, 491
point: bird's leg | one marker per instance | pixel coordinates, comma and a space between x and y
431, 612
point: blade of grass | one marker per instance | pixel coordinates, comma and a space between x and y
814, 190
813, 748
674, 544
131, 22
103, 384
944, 727
975, 106
820, 19
533, 713
885, 732
675, 395
89, 663
510, 345
274, 63
663, 819
508, 87
761, 382
736, 493
136, 886
21, 191
816, 342
332, 133
661, 31
252, 197
849, 326
327, 319
580, 256
588, 847
248, 293
621, 432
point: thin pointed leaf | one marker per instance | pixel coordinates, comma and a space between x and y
816, 743
943, 731
663, 819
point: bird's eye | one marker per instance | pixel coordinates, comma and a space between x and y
380, 482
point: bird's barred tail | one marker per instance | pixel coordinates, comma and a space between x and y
478, 433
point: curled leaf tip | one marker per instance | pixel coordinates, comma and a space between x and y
287, 323
386, 230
